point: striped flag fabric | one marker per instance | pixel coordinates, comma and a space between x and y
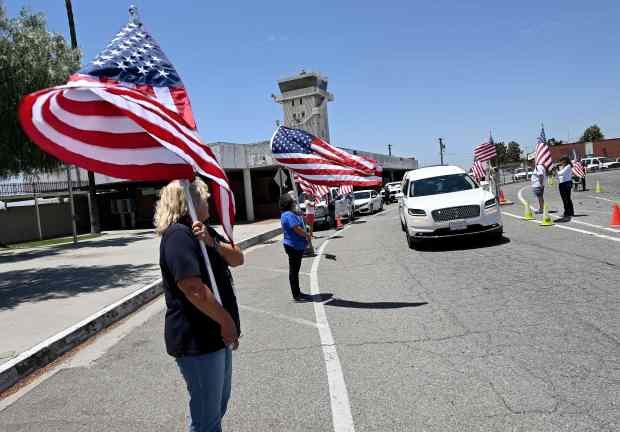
297, 150
543, 152
345, 189
485, 151
316, 191
127, 114
478, 170
578, 169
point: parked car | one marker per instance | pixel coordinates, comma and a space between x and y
367, 201
520, 174
608, 163
444, 201
597, 163
321, 213
344, 207
393, 188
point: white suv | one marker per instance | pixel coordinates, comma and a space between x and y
444, 201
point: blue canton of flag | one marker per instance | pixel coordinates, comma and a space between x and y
542, 139
288, 140
134, 57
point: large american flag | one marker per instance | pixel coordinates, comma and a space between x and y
320, 163
315, 191
485, 151
543, 152
127, 114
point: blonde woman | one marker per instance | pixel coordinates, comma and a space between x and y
199, 332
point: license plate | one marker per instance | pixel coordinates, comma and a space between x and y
458, 226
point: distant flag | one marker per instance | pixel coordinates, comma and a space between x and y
543, 152
346, 189
578, 169
485, 151
127, 114
315, 191
477, 170
320, 163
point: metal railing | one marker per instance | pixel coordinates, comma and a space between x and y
11, 189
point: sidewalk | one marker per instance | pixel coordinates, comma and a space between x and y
43, 291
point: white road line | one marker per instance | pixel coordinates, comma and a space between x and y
603, 236
604, 199
578, 222
341, 408
280, 316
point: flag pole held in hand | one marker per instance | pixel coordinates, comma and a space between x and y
194, 216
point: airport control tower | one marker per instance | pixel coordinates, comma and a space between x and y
304, 101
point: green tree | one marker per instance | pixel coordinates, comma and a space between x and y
31, 58
553, 142
500, 147
593, 133
513, 152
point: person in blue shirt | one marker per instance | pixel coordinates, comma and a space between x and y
295, 241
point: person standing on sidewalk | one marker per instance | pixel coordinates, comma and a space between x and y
295, 242
199, 332
539, 179
310, 215
565, 183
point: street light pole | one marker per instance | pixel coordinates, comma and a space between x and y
93, 212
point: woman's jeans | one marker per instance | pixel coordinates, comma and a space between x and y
565, 189
294, 264
208, 378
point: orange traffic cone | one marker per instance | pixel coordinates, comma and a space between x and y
338, 223
502, 198
615, 216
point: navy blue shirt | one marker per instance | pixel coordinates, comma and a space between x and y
291, 238
187, 330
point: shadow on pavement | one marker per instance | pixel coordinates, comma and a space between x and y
446, 245
33, 285
18, 256
336, 302
356, 222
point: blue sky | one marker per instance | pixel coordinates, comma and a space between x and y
402, 72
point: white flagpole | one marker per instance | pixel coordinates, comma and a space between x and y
194, 216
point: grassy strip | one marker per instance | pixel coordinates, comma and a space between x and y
52, 242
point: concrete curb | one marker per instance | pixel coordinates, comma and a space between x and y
51, 349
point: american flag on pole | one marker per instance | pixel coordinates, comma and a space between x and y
578, 169
127, 114
315, 191
485, 151
543, 152
297, 150
477, 170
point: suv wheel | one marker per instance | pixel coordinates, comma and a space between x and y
411, 242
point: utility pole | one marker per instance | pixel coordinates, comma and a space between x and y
390, 149
93, 211
442, 147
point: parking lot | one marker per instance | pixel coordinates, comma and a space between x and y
518, 335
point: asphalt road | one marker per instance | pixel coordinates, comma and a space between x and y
520, 335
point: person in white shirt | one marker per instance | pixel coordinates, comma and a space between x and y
565, 183
539, 178
310, 214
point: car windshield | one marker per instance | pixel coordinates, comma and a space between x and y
441, 185
361, 195
604, 159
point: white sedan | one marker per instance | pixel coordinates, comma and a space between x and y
444, 201
367, 201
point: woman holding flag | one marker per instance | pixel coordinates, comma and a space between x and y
199, 332
565, 183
